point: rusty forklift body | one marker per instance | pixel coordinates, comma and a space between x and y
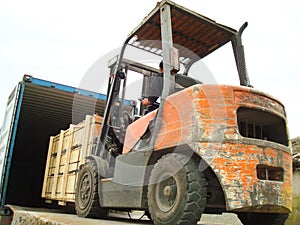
208, 148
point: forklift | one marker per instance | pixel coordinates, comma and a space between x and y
208, 148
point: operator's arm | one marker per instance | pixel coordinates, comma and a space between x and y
146, 102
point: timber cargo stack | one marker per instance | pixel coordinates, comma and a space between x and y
66, 153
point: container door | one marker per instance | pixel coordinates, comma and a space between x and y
7, 131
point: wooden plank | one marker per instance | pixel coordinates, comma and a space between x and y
75, 155
54, 186
67, 162
87, 127
46, 174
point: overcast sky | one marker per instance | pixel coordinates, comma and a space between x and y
60, 40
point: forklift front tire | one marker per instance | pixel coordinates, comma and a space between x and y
86, 197
177, 191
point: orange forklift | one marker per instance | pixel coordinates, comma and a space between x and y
208, 148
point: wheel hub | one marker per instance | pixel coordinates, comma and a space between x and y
170, 191
85, 189
166, 194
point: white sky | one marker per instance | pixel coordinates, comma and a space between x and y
60, 40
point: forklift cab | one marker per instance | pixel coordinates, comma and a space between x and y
134, 85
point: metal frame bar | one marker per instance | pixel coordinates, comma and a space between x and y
239, 55
168, 79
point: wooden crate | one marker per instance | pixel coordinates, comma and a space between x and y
66, 152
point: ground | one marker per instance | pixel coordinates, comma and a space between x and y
25, 216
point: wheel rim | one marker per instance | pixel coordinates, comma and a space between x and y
85, 189
166, 194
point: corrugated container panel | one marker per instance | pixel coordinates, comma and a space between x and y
57, 105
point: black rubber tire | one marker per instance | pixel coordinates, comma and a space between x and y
263, 218
86, 196
177, 191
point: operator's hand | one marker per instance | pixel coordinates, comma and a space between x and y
146, 102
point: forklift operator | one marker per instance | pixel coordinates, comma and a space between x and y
155, 90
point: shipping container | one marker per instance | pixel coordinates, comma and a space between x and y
37, 109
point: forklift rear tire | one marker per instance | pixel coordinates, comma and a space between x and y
86, 197
263, 218
177, 191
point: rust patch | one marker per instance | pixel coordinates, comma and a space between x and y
235, 166
255, 99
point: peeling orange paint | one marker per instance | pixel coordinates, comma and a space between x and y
205, 118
